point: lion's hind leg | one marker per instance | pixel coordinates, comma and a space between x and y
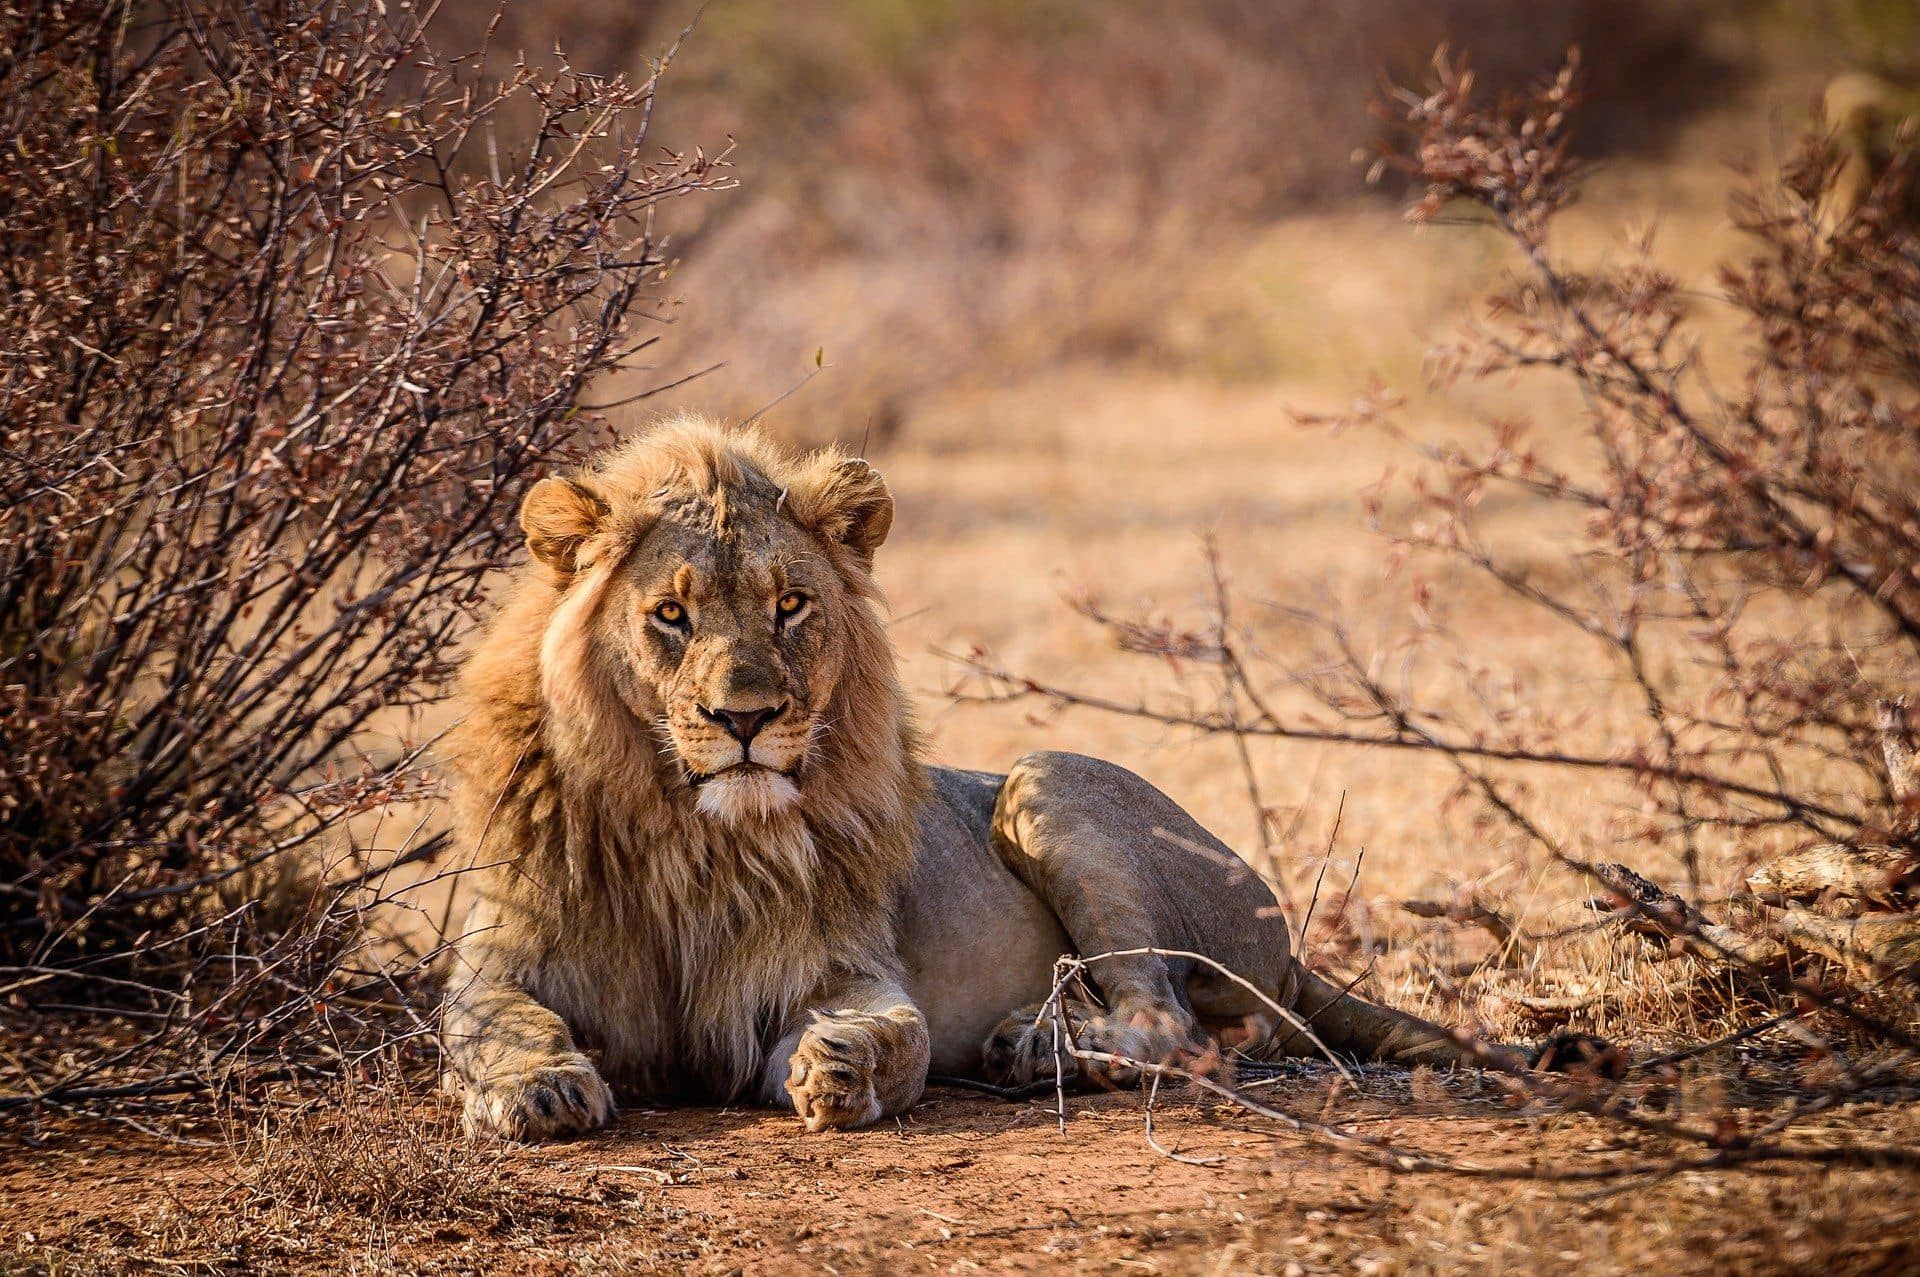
1087, 1044
1138, 885
1125, 870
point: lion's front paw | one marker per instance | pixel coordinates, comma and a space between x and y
562, 1098
831, 1072
854, 1067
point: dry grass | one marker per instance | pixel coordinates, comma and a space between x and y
354, 1175
363, 1179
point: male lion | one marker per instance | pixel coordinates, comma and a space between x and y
717, 861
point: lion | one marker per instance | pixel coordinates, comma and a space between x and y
713, 865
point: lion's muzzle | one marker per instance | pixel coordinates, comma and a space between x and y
744, 762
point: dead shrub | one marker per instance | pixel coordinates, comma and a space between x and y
370, 1156
279, 360
360, 1175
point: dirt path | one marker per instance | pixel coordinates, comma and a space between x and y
966, 1184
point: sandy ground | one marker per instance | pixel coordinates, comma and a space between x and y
973, 1184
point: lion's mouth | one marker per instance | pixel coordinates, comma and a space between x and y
744, 767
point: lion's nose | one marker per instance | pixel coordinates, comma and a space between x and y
743, 724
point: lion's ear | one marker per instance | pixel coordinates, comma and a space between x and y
846, 501
558, 517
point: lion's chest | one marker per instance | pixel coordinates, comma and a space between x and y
690, 1012
687, 949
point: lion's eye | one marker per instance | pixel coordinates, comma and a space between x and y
670, 613
790, 606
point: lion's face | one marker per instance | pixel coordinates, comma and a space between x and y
724, 616
734, 643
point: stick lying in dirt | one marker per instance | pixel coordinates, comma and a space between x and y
1876, 942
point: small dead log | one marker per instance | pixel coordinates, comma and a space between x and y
1853, 875
1653, 911
1881, 871
1876, 943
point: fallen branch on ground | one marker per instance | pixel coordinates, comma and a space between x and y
1510, 947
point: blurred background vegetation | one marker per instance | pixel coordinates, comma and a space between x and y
941, 193
1071, 265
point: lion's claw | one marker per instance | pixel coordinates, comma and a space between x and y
563, 1098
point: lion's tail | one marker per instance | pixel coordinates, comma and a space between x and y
1353, 1026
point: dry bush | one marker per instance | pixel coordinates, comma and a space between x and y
278, 362
1731, 558
353, 1171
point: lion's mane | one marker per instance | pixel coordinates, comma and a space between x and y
684, 939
